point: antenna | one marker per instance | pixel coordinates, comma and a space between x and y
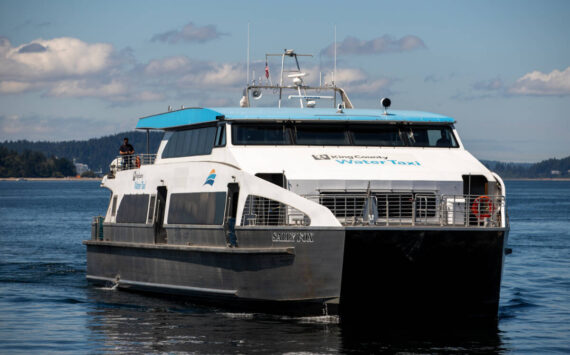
334, 72
247, 69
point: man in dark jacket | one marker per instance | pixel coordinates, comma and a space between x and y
127, 152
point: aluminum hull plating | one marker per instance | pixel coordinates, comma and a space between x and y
386, 271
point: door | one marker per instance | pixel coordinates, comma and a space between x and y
159, 231
231, 212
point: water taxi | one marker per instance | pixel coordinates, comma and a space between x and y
332, 210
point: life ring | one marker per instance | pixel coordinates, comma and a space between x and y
482, 207
138, 162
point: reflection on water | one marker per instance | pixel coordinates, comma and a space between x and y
128, 322
124, 321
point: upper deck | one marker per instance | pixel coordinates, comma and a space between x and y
191, 116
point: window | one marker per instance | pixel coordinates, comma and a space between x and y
379, 135
114, 206
133, 209
151, 209
197, 208
376, 135
321, 135
260, 135
430, 136
220, 136
196, 141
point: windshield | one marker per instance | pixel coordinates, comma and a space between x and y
379, 135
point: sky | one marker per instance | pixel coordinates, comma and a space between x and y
73, 70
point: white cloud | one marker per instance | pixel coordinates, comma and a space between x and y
69, 67
167, 65
222, 74
357, 81
83, 88
60, 57
555, 83
347, 75
213, 75
193, 74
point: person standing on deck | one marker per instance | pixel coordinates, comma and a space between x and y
127, 151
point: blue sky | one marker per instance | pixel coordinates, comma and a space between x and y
82, 69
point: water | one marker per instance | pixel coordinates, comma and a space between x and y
46, 305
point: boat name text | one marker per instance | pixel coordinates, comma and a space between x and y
292, 237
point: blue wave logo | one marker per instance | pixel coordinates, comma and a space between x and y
211, 178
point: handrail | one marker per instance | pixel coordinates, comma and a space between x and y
134, 161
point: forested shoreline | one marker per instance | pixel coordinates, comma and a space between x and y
31, 164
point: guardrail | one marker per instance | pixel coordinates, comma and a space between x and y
383, 209
412, 209
261, 211
128, 162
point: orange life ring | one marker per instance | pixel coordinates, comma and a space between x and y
482, 207
138, 162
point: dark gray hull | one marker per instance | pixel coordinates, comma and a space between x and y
427, 274
390, 272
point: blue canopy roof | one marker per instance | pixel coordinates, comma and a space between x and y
190, 116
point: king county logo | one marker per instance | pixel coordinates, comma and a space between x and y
211, 178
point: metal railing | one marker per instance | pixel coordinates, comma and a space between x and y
383, 209
128, 162
261, 211
412, 209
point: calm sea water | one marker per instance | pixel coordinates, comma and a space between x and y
46, 305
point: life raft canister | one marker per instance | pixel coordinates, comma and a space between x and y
138, 162
482, 207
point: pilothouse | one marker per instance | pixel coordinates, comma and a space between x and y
307, 209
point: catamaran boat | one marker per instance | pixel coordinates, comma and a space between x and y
321, 210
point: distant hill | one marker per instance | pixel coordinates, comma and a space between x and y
97, 153
551, 168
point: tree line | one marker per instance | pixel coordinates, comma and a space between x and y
545, 169
33, 164
97, 153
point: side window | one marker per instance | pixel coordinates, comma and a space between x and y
114, 206
220, 136
206, 208
261, 134
433, 136
190, 142
133, 209
386, 136
321, 135
151, 205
